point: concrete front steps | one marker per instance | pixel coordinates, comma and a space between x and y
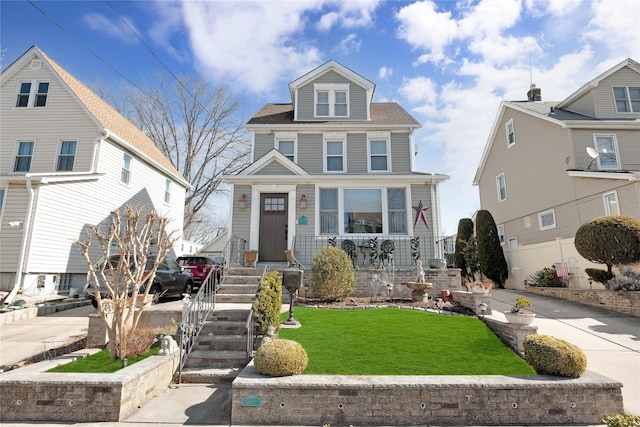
221, 351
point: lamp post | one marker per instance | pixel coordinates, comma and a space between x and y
292, 280
483, 309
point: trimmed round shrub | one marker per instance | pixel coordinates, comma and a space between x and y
268, 303
332, 276
280, 358
554, 356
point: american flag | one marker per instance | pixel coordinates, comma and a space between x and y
562, 270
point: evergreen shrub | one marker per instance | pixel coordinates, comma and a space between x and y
332, 275
554, 356
280, 358
268, 303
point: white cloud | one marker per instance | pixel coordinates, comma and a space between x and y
254, 44
618, 28
348, 45
419, 89
385, 72
349, 14
115, 28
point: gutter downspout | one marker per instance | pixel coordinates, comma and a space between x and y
435, 221
26, 231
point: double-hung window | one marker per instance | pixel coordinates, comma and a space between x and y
627, 99
607, 148
547, 220
125, 174
286, 143
501, 185
397, 207
26, 99
328, 210
611, 206
378, 148
67, 156
511, 133
331, 100
167, 191
501, 237
335, 152
23, 157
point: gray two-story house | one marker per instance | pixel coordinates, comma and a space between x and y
334, 168
548, 167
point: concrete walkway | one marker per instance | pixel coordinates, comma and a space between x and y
611, 342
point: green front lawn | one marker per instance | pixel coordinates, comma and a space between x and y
391, 341
100, 363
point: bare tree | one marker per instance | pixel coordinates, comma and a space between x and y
197, 128
133, 233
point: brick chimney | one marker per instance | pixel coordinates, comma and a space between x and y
535, 93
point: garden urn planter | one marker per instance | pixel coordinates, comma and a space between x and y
438, 263
419, 291
250, 257
519, 318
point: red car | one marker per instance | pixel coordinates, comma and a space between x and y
200, 266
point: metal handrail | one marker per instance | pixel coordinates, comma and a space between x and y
195, 312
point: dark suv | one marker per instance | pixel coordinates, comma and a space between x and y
200, 266
170, 280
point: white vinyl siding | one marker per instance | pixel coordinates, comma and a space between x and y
511, 133
607, 148
167, 191
547, 220
611, 206
501, 186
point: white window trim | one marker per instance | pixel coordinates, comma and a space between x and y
33, 91
627, 99
385, 209
167, 191
548, 227
378, 136
5, 190
501, 235
614, 140
607, 206
334, 136
287, 136
513, 242
15, 156
75, 154
500, 199
128, 183
332, 88
506, 129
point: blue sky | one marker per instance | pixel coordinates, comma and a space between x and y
449, 63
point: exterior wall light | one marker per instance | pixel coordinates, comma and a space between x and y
242, 202
303, 202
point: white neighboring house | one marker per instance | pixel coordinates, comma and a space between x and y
67, 160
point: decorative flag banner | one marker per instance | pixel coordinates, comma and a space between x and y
420, 214
562, 270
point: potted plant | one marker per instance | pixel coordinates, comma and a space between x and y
517, 315
479, 287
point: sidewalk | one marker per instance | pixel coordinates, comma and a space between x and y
611, 342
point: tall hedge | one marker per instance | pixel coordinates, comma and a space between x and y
490, 254
610, 240
465, 231
268, 303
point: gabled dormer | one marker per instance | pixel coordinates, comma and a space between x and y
331, 92
614, 94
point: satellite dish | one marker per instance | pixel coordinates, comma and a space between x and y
592, 153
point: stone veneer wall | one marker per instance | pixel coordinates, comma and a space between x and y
422, 400
441, 279
32, 394
624, 302
472, 301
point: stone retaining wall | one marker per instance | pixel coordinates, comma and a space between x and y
473, 301
422, 400
624, 302
512, 335
32, 394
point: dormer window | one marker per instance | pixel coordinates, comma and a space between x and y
331, 100
627, 99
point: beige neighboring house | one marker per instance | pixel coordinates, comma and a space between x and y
548, 167
67, 160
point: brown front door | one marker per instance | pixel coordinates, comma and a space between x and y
273, 227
